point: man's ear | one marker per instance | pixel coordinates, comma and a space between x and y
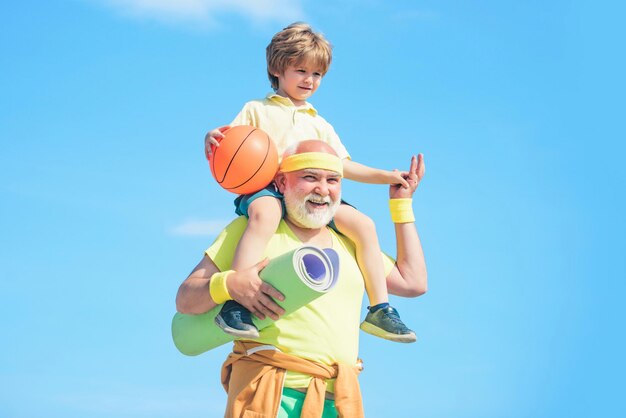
280, 182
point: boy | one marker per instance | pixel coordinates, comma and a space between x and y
297, 59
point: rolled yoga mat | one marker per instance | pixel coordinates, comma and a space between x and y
302, 275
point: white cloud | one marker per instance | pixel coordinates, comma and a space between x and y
208, 11
199, 227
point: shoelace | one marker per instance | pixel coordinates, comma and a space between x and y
394, 318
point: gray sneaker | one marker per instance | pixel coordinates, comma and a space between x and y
386, 323
236, 320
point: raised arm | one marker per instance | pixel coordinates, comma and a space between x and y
364, 174
408, 278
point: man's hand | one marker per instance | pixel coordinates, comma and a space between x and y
413, 178
212, 139
247, 288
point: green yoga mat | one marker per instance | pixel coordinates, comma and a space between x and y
301, 275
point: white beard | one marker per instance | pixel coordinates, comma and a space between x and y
299, 212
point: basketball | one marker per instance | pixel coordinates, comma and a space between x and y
246, 160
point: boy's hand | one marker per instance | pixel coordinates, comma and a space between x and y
413, 177
212, 139
247, 288
398, 178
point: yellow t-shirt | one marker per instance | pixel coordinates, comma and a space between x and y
288, 124
327, 329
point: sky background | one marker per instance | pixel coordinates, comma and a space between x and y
107, 202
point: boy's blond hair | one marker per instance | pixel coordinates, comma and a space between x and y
297, 44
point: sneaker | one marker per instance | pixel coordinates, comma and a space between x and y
386, 323
236, 320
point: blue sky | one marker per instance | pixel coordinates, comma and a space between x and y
107, 201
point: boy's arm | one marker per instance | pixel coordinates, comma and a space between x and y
364, 174
408, 277
213, 138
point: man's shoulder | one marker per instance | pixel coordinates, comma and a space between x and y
239, 223
231, 233
348, 248
344, 241
283, 236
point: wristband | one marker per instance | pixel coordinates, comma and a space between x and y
217, 287
401, 210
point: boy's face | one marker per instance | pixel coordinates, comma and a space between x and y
298, 82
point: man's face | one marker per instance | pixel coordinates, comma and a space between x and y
312, 196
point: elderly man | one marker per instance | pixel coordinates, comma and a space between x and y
307, 360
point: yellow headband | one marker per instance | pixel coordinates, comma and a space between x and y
312, 160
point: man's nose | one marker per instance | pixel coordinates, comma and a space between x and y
322, 189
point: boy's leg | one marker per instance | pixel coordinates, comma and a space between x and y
264, 215
382, 320
362, 231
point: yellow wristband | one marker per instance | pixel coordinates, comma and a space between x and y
217, 287
401, 210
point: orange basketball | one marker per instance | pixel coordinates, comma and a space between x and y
246, 160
